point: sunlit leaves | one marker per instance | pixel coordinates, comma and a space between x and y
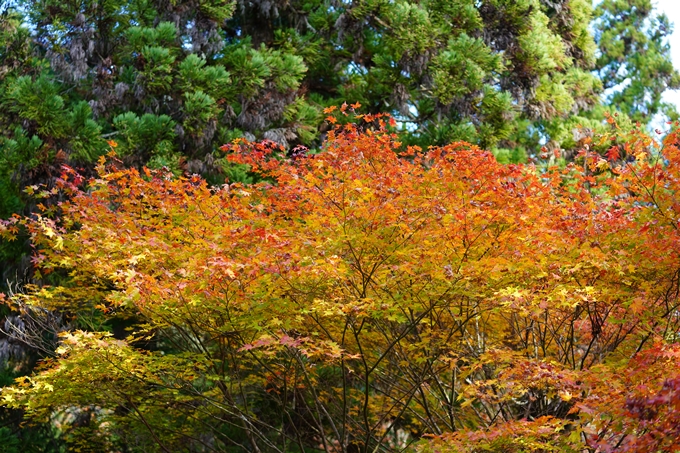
370, 298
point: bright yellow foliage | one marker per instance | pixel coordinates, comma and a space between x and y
362, 299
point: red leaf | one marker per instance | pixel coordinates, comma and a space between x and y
613, 153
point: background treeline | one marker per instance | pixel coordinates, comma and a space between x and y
170, 81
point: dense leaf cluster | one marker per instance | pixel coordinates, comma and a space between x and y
363, 300
170, 82
167, 83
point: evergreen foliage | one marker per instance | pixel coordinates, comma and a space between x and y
633, 62
195, 74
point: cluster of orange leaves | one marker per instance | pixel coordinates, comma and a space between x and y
473, 305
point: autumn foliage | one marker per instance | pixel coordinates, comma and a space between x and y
370, 297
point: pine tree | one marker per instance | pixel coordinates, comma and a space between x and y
172, 81
634, 61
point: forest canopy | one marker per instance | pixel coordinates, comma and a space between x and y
361, 299
173, 81
343, 226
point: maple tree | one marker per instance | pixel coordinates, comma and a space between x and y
173, 81
369, 297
